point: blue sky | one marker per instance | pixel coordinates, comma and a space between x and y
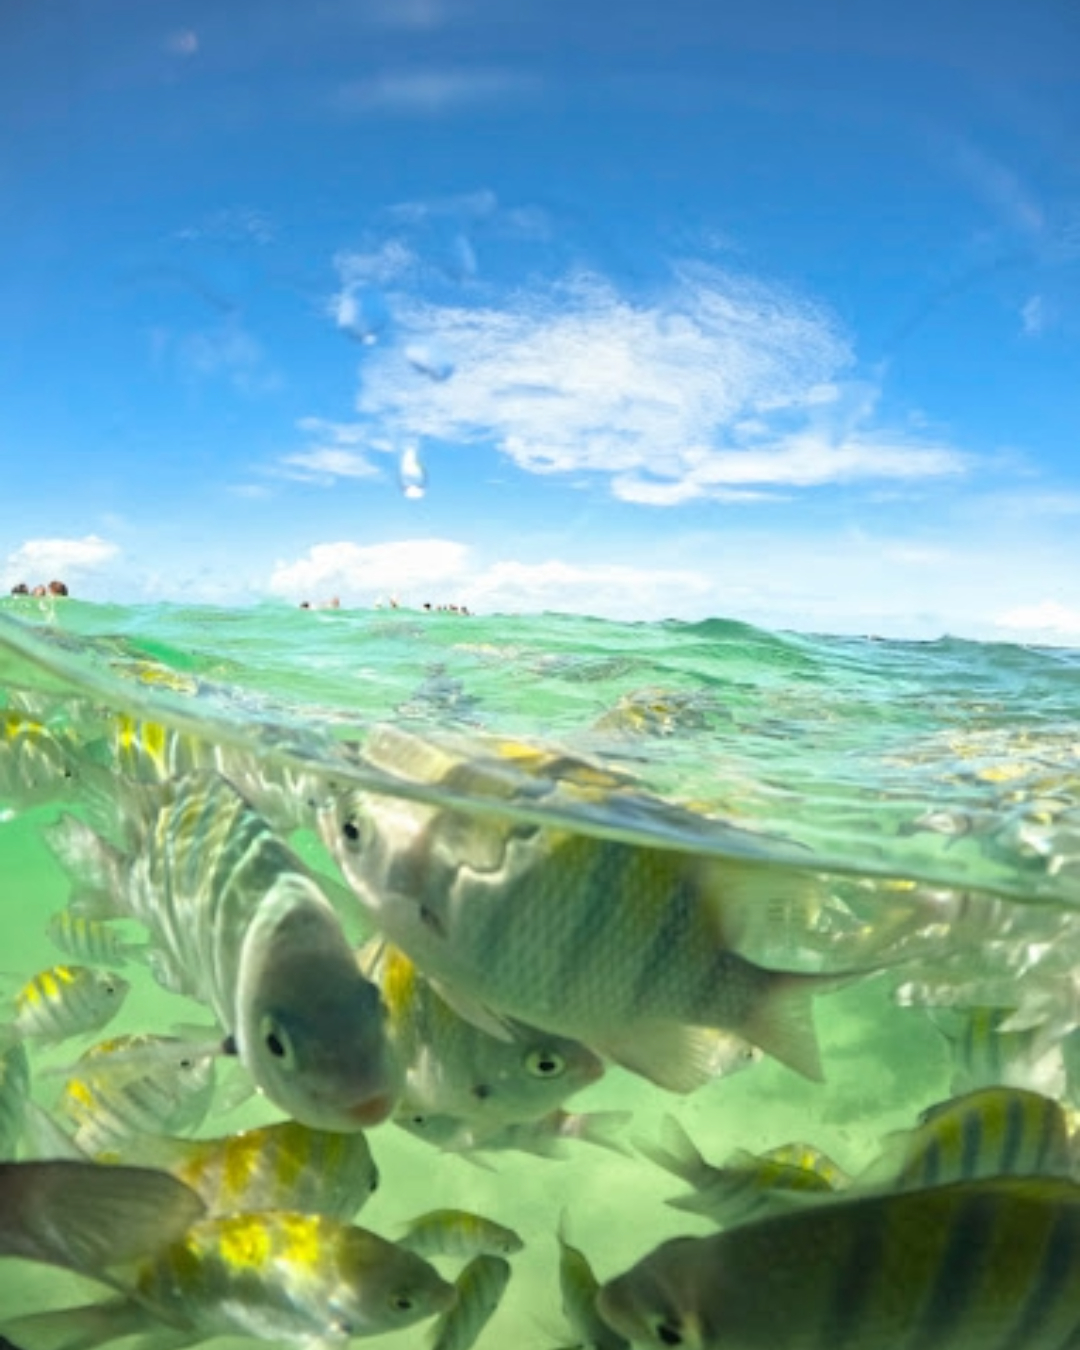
765, 310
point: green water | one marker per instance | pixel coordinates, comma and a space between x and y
900, 774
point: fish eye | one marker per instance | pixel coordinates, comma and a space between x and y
275, 1039
351, 831
668, 1332
545, 1064
401, 1302
481, 1092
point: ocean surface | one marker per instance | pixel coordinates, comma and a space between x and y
928, 791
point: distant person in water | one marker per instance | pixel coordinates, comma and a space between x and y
39, 590
57, 588
20, 588
332, 603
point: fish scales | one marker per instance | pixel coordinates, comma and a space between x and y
969, 1266
991, 1132
452, 1067
595, 939
282, 1276
238, 922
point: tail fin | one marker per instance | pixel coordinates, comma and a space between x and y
782, 1021
677, 1153
95, 864
90, 1218
90, 1326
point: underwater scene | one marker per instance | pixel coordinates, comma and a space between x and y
534, 981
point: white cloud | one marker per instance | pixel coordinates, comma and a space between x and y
1048, 617
432, 92
712, 385
58, 557
325, 464
358, 573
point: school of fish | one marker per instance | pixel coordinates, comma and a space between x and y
361, 962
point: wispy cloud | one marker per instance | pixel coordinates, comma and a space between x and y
713, 386
337, 450
58, 558
430, 93
326, 464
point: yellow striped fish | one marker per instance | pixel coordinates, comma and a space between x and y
985, 1055
137, 1084
294, 1279
807, 1158
67, 1001
297, 1277
991, 1132
745, 1188
283, 1166
237, 921
457, 1232
453, 1068
960, 1267
37, 764
90, 941
617, 945
479, 1290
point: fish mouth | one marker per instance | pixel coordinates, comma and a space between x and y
372, 1110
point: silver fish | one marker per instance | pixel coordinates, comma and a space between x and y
293, 1279
457, 1232
617, 945
66, 1001
480, 1288
284, 1166
239, 923
745, 1188
137, 1084
954, 1267
452, 1068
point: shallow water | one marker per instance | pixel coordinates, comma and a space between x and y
929, 792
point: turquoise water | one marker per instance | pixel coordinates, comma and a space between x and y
929, 793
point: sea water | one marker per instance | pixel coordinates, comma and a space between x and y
948, 771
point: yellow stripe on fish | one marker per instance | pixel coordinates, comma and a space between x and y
298, 1278
68, 1001
994, 1262
990, 1132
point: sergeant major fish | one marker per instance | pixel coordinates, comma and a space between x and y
296, 1279
994, 1262
66, 1001
238, 922
745, 1188
991, 1132
479, 1290
136, 1084
617, 945
283, 1166
457, 1232
453, 1068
